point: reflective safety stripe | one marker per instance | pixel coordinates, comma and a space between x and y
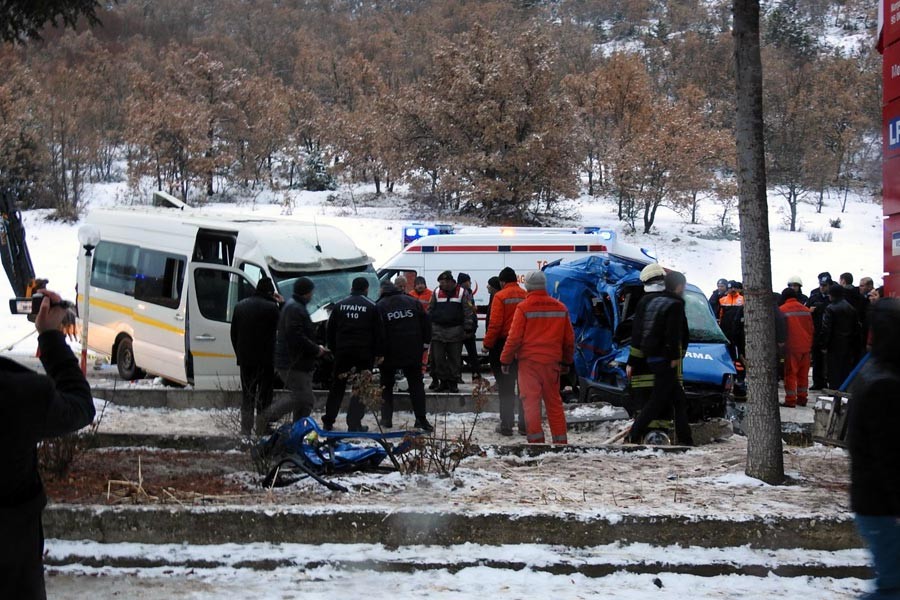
535, 437
545, 314
560, 439
512, 300
449, 300
798, 314
637, 352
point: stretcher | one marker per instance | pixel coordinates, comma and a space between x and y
308, 450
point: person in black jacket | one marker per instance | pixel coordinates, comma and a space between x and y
356, 338
720, 292
660, 338
253, 327
407, 337
296, 352
840, 337
34, 407
874, 412
818, 301
472, 357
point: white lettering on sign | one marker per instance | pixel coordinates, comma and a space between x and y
895, 71
895, 243
894, 134
698, 355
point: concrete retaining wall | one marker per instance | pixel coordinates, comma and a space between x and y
396, 528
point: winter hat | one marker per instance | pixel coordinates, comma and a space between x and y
303, 286
446, 275
722, 281
495, 283
735, 285
360, 284
462, 278
265, 286
535, 280
508, 275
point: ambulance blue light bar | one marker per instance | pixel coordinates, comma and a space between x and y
414, 231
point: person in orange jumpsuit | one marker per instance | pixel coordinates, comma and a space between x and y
542, 340
503, 309
797, 349
421, 292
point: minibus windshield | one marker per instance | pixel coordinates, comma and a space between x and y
331, 286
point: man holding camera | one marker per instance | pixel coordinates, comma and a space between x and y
34, 407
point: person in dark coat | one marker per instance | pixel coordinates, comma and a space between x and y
660, 338
731, 318
840, 337
472, 357
874, 412
819, 299
720, 292
34, 407
407, 337
296, 351
452, 321
253, 327
356, 338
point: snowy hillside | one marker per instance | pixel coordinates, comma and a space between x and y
855, 247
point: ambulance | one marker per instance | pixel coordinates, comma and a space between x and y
483, 252
164, 281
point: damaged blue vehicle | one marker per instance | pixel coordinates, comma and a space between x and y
601, 293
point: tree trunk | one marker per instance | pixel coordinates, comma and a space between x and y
764, 450
794, 199
694, 208
590, 174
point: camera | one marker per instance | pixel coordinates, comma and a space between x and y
31, 306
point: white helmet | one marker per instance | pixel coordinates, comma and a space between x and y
795, 279
651, 272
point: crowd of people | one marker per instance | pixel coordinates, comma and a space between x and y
828, 331
529, 343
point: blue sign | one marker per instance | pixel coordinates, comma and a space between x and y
894, 134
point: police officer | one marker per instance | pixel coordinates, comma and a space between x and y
819, 299
356, 337
407, 336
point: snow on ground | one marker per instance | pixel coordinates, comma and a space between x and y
84, 583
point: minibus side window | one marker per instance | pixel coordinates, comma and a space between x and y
254, 272
114, 267
160, 278
218, 292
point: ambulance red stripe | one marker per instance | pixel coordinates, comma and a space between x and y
509, 248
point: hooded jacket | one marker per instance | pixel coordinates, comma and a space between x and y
874, 411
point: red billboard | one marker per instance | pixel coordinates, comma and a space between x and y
891, 31
890, 72
890, 176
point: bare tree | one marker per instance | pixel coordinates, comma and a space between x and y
764, 450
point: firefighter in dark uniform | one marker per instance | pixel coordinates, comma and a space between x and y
407, 336
356, 337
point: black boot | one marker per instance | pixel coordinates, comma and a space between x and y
424, 425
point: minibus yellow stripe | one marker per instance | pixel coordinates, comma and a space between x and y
210, 355
125, 310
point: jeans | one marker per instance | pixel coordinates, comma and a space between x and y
882, 536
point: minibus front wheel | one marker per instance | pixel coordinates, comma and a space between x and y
128, 369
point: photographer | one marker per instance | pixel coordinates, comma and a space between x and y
34, 407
